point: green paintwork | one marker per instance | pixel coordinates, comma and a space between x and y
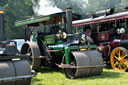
33, 20
34, 37
43, 19
60, 42
82, 47
75, 47
49, 39
56, 47
67, 55
60, 48
92, 46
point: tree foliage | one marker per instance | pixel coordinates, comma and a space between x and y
16, 10
77, 5
87, 7
22, 9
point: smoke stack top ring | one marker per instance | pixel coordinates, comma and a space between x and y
1, 10
68, 9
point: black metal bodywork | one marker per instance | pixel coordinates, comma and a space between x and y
2, 31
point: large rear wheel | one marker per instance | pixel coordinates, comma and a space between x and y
119, 59
32, 49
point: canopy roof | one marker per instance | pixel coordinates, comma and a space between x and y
101, 19
49, 19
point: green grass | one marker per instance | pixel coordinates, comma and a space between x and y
50, 76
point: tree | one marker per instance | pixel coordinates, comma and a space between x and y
16, 10
97, 5
87, 7
77, 5
22, 9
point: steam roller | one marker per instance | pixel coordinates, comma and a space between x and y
64, 46
83, 64
13, 70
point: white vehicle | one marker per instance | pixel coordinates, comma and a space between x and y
19, 42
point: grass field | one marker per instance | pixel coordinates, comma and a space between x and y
48, 76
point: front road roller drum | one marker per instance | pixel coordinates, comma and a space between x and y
119, 59
7, 70
87, 63
32, 49
15, 72
22, 68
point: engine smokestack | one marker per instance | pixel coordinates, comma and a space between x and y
2, 32
126, 8
69, 20
103, 12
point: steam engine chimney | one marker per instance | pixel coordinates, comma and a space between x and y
2, 32
103, 12
69, 20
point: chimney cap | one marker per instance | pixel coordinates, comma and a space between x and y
126, 8
68, 9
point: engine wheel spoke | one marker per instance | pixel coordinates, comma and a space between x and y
116, 57
125, 66
125, 56
120, 67
119, 53
119, 59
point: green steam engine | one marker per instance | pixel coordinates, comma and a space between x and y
53, 42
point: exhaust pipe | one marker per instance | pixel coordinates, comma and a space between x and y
69, 20
2, 31
126, 8
103, 12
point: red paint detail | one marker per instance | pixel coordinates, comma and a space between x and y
88, 32
100, 21
115, 43
124, 37
106, 51
101, 44
100, 48
103, 36
111, 31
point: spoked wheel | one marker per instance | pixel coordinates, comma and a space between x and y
32, 49
119, 59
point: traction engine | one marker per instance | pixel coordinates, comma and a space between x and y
13, 70
112, 38
74, 52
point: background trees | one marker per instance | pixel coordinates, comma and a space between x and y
16, 10
22, 9
87, 7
